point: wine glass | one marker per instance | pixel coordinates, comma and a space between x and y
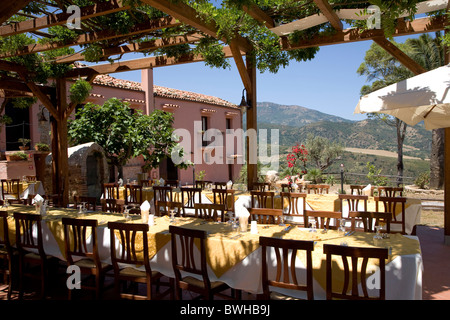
341, 228
282, 221
126, 213
172, 216
313, 224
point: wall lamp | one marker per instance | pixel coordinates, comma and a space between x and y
244, 105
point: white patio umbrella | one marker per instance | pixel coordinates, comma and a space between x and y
424, 97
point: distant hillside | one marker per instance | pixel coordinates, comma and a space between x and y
366, 134
295, 116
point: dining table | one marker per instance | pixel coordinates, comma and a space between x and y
27, 188
234, 257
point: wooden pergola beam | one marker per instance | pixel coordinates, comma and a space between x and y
398, 54
137, 47
242, 69
256, 13
9, 8
417, 26
329, 13
144, 27
138, 64
99, 9
190, 16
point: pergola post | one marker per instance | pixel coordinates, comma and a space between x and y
447, 187
251, 145
62, 166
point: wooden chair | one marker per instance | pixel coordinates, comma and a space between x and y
396, 206
91, 202
352, 273
261, 186
30, 178
285, 276
163, 193
286, 187
146, 183
318, 188
132, 241
322, 218
11, 190
112, 205
189, 197
202, 184
7, 253
28, 243
262, 199
292, 199
163, 208
133, 194
54, 200
390, 191
110, 190
219, 185
353, 201
266, 216
369, 220
210, 211
172, 183
87, 257
356, 189
225, 197
185, 261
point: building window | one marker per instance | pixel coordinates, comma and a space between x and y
228, 123
204, 128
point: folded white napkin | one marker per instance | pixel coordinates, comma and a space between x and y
37, 199
229, 184
145, 205
120, 182
366, 190
162, 182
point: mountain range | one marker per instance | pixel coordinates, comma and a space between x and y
295, 122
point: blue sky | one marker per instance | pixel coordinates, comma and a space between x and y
328, 83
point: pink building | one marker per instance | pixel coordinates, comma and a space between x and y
196, 117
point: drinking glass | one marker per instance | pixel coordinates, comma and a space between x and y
313, 224
126, 213
341, 228
172, 216
282, 221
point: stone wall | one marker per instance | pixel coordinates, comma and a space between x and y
88, 169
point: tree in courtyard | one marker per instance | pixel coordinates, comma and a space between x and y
125, 133
322, 152
383, 70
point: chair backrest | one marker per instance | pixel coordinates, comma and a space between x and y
111, 190
5, 240
323, 218
91, 202
163, 193
146, 182
202, 183
76, 236
190, 196
290, 201
394, 205
10, 188
113, 205
210, 211
25, 239
132, 240
351, 273
30, 178
220, 185
133, 194
285, 276
164, 207
184, 260
261, 186
224, 196
390, 191
262, 199
265, 215
370, 220
172, 183
353, 202
356, 189
318, 188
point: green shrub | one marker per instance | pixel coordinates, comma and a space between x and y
423, 180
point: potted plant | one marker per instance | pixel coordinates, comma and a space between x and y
24, 143
17, 156
40, 146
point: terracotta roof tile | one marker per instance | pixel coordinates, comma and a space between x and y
107, 80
